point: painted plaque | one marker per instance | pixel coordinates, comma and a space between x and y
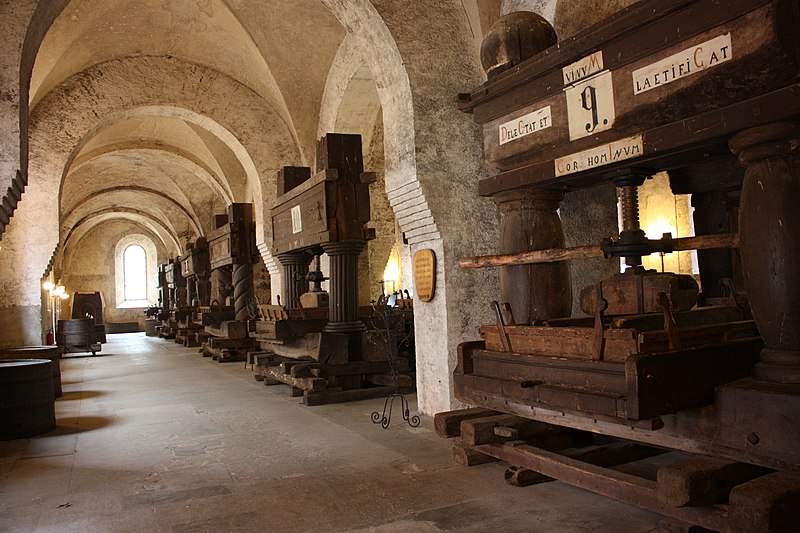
590, 106
599, 156
297, 220
524, 125
425, 274
583, 68
685, 63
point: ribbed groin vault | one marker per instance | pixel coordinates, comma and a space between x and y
138, 120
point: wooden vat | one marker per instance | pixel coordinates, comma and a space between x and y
38, 352
77, 335
27, 404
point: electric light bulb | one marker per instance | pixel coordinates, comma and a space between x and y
48, 285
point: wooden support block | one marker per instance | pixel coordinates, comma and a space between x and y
448, 423
224, 342
506, 432
522, 477
268, 382
295, 392
702, 481
259, 377
466, 456
233, 329
479, 431
303, 370
767, 503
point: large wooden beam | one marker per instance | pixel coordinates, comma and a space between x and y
550, 255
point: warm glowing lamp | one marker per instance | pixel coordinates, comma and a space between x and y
59, 290
64, 296
48, 285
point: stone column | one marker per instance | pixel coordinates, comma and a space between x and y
295, 268
529, 221
343, 306
769, 228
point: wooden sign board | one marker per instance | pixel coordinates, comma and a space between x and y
425, 274
637, 91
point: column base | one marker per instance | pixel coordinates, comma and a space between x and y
778, 366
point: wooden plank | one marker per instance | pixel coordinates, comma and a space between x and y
702, 481
325, 397
614, 484
523, 368
448, 423
570, 342
522, 477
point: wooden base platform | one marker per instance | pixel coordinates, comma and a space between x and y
321, 384
716, 494
225, 350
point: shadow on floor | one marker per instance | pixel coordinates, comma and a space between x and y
79, 424
80, 394
99, 354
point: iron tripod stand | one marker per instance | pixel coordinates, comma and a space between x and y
382, 322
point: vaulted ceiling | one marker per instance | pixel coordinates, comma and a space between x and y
165, 111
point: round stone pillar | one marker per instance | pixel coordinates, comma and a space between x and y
529, 221
343, 306
769, 229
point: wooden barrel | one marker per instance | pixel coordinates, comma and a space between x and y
27, 404
76, 334
38, 352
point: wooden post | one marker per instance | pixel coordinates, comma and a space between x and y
343, 306
295, 267
769, 227
529, 221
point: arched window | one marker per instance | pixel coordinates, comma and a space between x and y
134, 261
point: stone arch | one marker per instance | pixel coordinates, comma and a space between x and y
65, 119
432, 151
144, 219
97, 195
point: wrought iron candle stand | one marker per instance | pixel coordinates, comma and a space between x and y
381, 321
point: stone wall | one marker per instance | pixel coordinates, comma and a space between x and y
90, 266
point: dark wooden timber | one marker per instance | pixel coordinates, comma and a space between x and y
448, 423
702, 481
770, 220
612, 483
700, 242
529, 221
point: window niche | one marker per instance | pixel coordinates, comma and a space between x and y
135, 271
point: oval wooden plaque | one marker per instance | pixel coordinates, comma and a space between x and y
425, 274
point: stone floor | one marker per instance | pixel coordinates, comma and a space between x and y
152, 437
